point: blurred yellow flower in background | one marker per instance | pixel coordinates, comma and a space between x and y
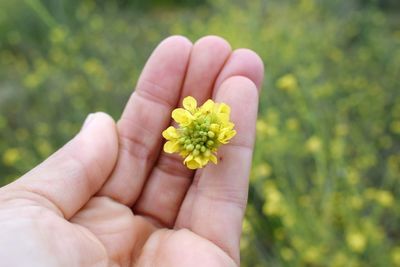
395, 254
287, 82
201, 131
58, 35
273, 205
313, 144
395, 127
292, 124
356, 241
312, 254
264, 170
261, 126
383, 197
11, 156
287, 253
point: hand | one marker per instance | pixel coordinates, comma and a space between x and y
111, 197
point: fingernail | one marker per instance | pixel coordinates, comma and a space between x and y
88, 120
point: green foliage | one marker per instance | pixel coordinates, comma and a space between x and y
325, 181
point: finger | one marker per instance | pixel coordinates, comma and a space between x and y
242, 62
170, 179
208, 56
145, 116
71, 176
216, 201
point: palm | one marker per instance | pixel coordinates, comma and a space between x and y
147, 245
107, 234
133, 205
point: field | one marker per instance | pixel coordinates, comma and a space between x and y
325, 183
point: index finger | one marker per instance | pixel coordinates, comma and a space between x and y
146, 114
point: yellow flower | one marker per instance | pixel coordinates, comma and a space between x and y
314, 144
200, 132
287, 82
356, 241
11, 156
396, 256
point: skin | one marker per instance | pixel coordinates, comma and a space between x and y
112, 197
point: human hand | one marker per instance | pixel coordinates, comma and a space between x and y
112, 197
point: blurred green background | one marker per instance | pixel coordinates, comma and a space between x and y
325, 182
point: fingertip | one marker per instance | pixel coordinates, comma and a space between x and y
101, 119
170, 56
207, 58
104, 117
178, 42
243, 62
215, 43
107, 119
100, 128
255, 62
239, 89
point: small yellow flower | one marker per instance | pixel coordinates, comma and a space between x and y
287, 82
396, 256
201, 131
314, 144
356, 241
11, 156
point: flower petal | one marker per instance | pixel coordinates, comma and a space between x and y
193, 165
208, 106
190, 103
182, 116
224, 109
171, 147
170, 133
223, 117
213, 159
225, 135
201, 161
191, 162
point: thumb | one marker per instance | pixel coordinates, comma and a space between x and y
73, 174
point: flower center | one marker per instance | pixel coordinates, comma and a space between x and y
197, 138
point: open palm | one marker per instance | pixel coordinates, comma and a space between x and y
112, 197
